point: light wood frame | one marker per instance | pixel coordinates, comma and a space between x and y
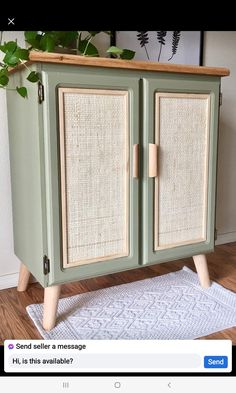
59, 58
152, 160
51, 298
200, 263
24, 277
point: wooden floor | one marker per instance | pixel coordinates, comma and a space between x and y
15, 323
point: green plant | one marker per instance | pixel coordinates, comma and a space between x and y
76, 42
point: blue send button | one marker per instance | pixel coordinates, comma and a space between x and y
215, 361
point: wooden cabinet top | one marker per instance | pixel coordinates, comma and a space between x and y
57, 58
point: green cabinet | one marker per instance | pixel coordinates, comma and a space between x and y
113, 166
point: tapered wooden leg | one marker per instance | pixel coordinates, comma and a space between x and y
200, 262
51, 297
24, 277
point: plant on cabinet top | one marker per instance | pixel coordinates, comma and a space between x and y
76, 42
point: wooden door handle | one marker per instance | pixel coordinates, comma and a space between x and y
136, 160
152, 159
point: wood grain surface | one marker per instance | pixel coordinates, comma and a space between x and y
58, 58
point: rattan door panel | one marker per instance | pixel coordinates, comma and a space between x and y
94, 151
182, 137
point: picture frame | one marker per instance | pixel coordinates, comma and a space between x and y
179, 47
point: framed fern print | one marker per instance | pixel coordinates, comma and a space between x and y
179, 47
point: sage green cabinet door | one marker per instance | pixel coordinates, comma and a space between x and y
180, 125
94, 225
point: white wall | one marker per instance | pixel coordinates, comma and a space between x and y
219, 50
9, 264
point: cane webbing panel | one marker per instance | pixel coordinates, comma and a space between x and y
182, 132
94, 132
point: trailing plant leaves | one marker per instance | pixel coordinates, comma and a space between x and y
22, 91
88, 49
48, 43
4, 71
93, 33
10, 46
65, 38
3, 79
2, 48
10, 59
91, 50
22, 54
14, 54
127, 54
175, 43
47, 40
33, 38
33, 77
30, 36
115, 50
69, 37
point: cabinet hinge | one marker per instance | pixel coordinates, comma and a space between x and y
220, 98
40, 92
216, 233
46, 265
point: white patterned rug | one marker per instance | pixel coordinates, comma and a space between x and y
172, 306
